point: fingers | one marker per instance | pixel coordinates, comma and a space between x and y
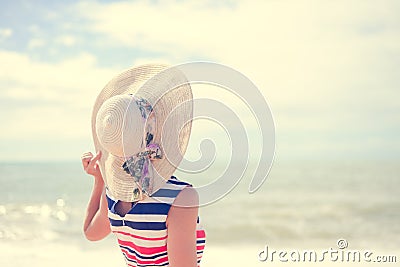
93, 161
86, 157
90, 164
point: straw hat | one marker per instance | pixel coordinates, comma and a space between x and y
120, 126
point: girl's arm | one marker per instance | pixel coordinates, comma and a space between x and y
181, 224
96, 225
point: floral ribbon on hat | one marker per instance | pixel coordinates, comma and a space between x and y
139, 165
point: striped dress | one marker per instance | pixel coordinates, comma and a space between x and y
142, 232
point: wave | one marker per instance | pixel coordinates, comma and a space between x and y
41, 221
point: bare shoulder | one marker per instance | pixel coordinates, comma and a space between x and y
184, 210
188, 197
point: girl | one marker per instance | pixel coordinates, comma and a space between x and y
141, 125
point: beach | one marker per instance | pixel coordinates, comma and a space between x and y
301, 206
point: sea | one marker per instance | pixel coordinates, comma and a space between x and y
302, 206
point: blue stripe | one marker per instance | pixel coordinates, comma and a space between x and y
177, 182
151, 208
200, 241
115, 222
146, 265
140, 225
110, 202
144, 257
146, 225
166, 193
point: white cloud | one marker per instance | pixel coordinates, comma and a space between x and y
36, 43
5, 33
34, 29
49, 99
66, 40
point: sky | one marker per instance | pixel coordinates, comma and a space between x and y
329, 70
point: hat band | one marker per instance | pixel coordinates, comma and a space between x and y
139, 165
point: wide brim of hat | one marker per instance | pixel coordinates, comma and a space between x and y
170, 95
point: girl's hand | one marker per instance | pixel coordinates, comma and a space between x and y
90, 164
96, 225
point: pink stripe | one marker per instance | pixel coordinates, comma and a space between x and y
201, 234
143, 250
200, 248
141, 237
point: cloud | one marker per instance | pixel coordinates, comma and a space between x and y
5, 33
66, 40
36, 43
46, 97
288, 46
